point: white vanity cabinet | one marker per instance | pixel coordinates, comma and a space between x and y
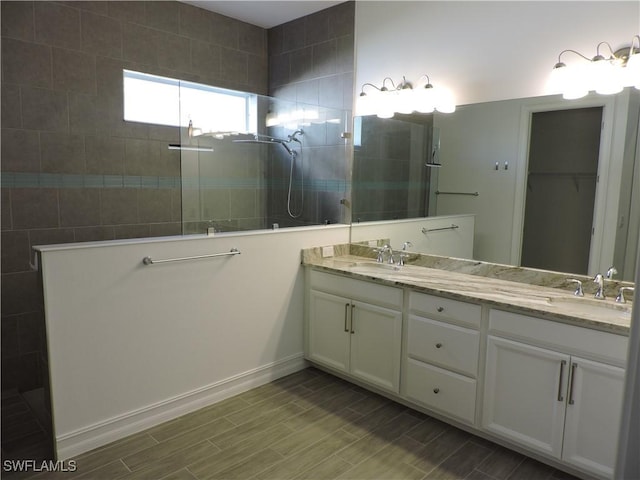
441, 361
542, 393
355, 327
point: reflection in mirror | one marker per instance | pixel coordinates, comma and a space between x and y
279, 164
390, 179
484, 148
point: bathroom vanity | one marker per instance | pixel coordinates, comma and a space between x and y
532, 367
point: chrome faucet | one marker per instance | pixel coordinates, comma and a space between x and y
403, 253
579, 292
381, 254
611, 272
620, 298
599, 279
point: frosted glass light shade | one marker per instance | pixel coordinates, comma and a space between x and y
633, 71
558, 79
605, 77
445, 101
405, 100
575, 82
424, 100
365, 105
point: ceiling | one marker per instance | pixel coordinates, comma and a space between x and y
264, 13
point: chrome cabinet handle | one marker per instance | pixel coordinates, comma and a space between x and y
440, 309
560, 397
438, 345
572, 377
352, 309
346, 309
436, 390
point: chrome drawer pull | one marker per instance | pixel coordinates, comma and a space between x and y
438, 345
440, 309
436, 390
573, 376
560, 397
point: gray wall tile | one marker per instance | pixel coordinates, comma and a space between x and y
62, 153
57, 25
224, 31
95, 6
44, 109
5, 204
118, 206
234, 65
324, 58
34, 207
195, 23
163, 15
154, 206
9, 337
94, 234
83, 115
127, 11
174, 52
104, 155
252, 39
17, 20
74, 71
11, 110
15, 251
50, 236
79, 207
140, 43
293, 35
20, 293
20, 150
316, 27
342, 19
101, 35
301, 64
131, 231
205, 59
26, 63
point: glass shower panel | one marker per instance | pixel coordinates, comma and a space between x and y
276, 164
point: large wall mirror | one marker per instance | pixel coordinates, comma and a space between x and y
553, 183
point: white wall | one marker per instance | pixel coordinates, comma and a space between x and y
456, 242
133, 345
484, 51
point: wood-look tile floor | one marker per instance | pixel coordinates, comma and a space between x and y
308, 425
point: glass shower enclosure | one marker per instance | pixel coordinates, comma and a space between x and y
252, 162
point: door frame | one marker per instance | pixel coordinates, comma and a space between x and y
599, 235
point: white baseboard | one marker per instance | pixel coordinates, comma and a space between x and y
93, 436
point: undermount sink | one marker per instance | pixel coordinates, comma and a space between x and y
600, 308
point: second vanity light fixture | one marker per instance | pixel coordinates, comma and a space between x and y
604, 75
388, 99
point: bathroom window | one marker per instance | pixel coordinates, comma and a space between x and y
169, 101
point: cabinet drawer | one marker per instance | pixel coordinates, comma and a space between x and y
445, 308
444, 391
443, 344
603, 346
357, 290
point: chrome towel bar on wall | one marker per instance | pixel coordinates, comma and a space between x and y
473, 194
150, 261
427, 230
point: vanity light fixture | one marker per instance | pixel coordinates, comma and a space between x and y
389, 98
604, 75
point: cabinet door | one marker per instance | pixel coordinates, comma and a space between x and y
593, 416
375, 345
524, 396
328, 335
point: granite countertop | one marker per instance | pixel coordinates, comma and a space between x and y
553, 303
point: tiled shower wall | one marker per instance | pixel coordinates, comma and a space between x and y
311, 60
72, 169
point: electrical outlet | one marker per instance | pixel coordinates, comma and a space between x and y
327, 251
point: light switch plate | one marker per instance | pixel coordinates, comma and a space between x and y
327, 251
